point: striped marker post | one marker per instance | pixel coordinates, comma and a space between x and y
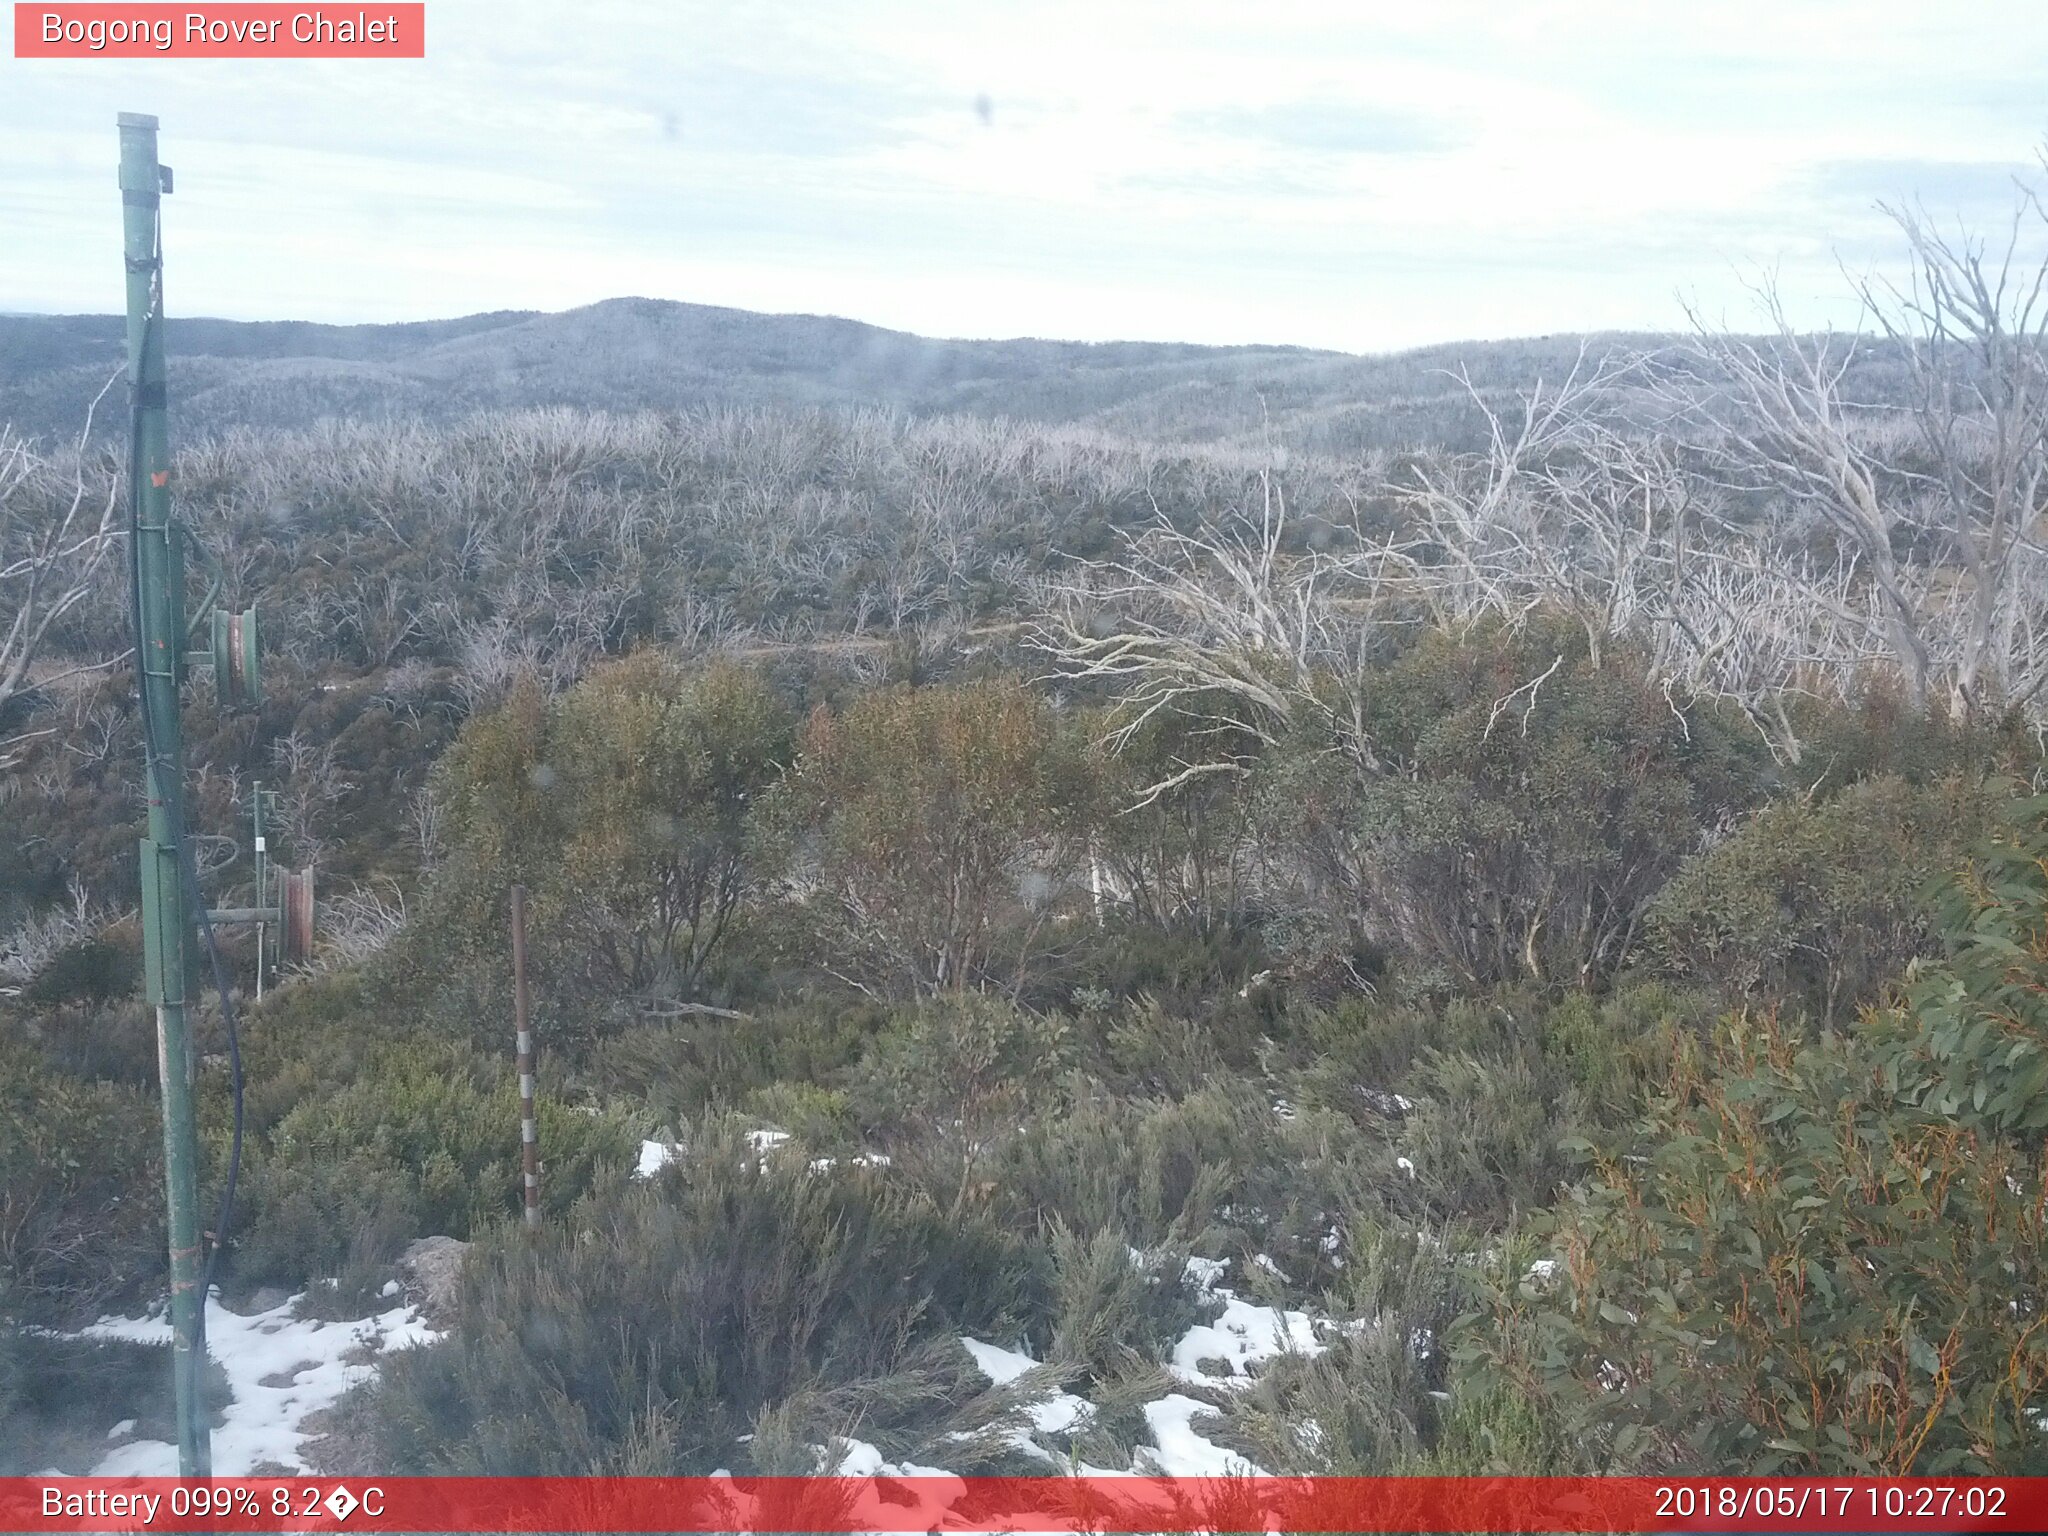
529, 1126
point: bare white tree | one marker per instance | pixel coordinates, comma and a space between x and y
42, 936
55, 538
1608, 498
1568, 507
1933, 508
357, 923
1972, 323
1226, 625
1772, 417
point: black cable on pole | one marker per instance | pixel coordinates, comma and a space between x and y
170, 775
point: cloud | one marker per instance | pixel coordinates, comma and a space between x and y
1360, 177
1331, 127
1977, 190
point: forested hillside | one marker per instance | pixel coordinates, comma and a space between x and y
645, 354
1092, 907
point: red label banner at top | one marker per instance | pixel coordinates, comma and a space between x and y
1052, 1504
240, 31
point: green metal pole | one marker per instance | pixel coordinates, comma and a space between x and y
160, 590
262, 855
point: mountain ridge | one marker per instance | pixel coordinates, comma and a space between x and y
636, 353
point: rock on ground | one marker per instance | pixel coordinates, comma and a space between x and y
431, 1268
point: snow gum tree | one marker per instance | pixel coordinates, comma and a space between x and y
1832, 1258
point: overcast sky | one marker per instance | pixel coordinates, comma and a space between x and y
1354, 175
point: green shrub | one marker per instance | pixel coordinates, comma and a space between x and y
1349, 1057
1821, 903
1490, 1428
1881, 735
59, 1396
1179, 969
1157, 1171
327, 1030
627, 806
1223, 1171
1805, 1276
949, 1080
302, 1221
111, 1041
1832, 1258
1511, 829
411, 1147
1827, 1256
1615, 1050
941, 818
1485, 1136
1150, 1050
1116, 1308
1459, 1111
816, 1117
92, 970
1976, 1046
1599, 1054
1371, 1403
680, 1069
1182, 861
654, 1326
81, 1204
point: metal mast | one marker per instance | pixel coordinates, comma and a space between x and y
158, 555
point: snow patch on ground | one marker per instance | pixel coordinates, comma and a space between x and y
1201, 1273
1057, 1413
280, 1369
657, 1155
999, 1365
654, 1156
857, 1458
1244, 1336
1182, 1452
859, 1160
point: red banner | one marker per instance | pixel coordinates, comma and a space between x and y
1050, 1504
242, 31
